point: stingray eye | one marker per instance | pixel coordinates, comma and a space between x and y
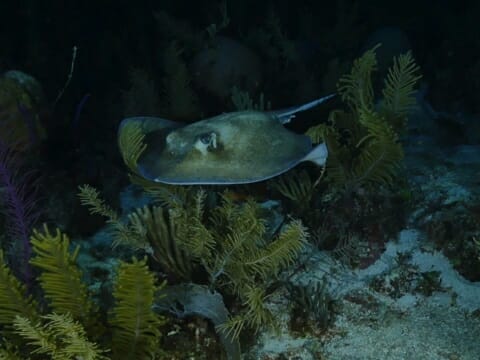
205, 138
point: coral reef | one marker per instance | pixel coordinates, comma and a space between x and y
65, 326
19, 204
362, 193
224, 246
364, 142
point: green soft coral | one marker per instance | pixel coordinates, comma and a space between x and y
230, 244
61, 279
130, 142
399, 89
226, 246
13, 298
136, 333
363, 143
73, 320
58, 336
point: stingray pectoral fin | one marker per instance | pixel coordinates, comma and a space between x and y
318, 155
285, 115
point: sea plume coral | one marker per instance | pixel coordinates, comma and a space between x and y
18, 197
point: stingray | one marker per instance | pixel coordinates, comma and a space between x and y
232, 148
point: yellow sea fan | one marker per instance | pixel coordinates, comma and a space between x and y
61, 278
136, 332
130, 142
400, 84
13, 299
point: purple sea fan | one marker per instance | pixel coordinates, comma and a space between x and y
18, 198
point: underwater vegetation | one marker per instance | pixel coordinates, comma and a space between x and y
21, 102
201, 252
364, 141
65, 323
362, 192
18, 203
313, 307
185, 226
217, 249
225, 247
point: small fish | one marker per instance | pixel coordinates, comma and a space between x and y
232, 148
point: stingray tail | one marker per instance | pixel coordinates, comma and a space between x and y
285, 115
